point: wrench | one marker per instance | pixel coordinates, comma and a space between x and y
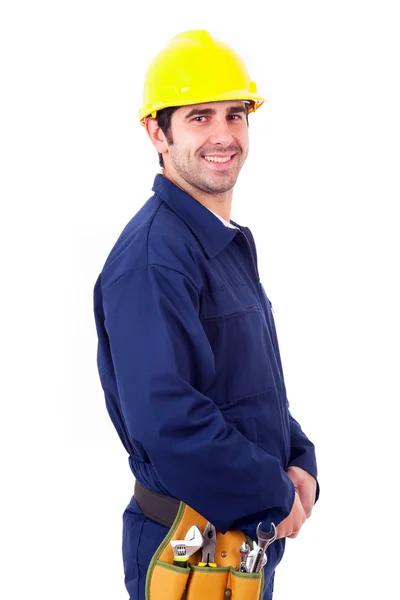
183, 549
244, 552
252, 555
264, 539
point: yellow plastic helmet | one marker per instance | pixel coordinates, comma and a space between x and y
194, 68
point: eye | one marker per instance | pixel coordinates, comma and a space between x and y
198, 119
234, 117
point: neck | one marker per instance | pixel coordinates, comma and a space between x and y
219, 203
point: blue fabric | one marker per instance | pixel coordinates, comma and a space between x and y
189, 361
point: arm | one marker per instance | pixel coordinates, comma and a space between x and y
163, 362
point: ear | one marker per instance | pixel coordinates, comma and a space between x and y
156, 135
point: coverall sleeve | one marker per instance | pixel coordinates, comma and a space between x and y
302, 451
163, 363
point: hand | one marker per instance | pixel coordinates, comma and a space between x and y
306, 487
291, 526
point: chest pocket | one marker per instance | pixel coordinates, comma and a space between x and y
235, 327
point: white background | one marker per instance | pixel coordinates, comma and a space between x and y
319, 192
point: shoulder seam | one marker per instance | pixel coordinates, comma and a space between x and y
130, 271
148, 232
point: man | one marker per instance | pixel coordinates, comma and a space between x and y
188, 355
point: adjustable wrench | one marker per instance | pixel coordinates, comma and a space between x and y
183, 549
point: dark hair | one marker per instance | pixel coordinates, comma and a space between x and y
163, 119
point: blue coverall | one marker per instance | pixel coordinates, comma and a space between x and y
189, 362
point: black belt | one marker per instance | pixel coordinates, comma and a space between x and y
159, 508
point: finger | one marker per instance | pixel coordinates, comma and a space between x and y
308, 507
307, 503
293, 535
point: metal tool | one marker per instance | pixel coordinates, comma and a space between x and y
210, 541
244, 552
264, 539
251, 557
183, 549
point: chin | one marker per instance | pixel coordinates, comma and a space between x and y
219, 189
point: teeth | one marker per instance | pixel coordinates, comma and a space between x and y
219, 159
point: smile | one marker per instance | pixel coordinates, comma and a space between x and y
219, 159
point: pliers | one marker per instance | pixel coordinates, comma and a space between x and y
210, 541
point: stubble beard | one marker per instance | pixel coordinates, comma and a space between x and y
194, 174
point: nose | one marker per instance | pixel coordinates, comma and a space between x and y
221, 133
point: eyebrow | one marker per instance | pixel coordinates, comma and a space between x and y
199, 112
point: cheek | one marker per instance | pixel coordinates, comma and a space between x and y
188, 143
245, 149
244, 141
196, 142
192, 139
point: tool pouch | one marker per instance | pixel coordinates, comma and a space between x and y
165, 581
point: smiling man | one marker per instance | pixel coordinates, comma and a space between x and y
188, 355
208, 148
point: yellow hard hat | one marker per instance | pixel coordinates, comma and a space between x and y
194, 68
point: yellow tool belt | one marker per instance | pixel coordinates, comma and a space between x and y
165, 581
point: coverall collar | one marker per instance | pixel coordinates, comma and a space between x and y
212, 234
